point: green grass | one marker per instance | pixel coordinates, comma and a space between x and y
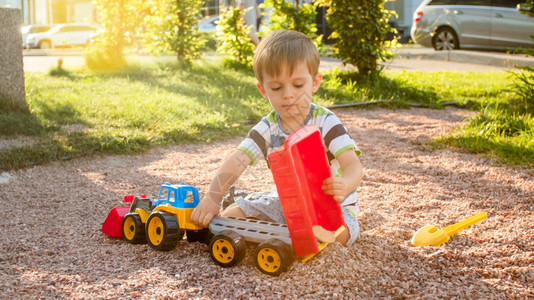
75, 113
508, 136
468, 89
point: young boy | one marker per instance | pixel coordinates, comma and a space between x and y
286, 65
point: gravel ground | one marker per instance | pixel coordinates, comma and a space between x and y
52, 245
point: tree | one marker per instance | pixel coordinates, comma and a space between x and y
233, 37
359, 30
121, 21
172, 28
298, 16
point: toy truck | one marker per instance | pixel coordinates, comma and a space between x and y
162, 223
299, 171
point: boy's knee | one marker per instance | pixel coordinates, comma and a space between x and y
233, 211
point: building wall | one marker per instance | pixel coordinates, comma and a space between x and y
53, 11
39, 11
72, 11
83, 12
12, 91
11, 3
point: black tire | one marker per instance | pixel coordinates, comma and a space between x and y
201, 236
227, 248
445, 39
163, 231
133, 229
273, 257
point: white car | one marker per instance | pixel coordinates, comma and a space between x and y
33, 28
62, 35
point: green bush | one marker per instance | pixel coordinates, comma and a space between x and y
120, 19
359, 30
104, 59
233, 38
211, 41
524, 80
299, 17
171, 28
524, 87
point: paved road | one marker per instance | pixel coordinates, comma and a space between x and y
407, 58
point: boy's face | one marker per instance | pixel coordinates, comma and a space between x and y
290, 95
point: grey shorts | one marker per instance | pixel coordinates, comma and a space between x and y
266, 206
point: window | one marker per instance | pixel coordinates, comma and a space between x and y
65, 29
70, 28
164, 194
507, 3
42, 29
441, 2
472, 2
189, 198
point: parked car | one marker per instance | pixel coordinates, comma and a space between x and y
455, 24
62, 35
33, 28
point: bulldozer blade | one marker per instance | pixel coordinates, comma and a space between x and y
112, 226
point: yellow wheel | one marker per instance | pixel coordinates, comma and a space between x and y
223, 250
162, 231
273, 257
133, 229
227, 248
269, 260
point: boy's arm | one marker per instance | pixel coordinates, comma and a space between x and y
340, 187
226, 175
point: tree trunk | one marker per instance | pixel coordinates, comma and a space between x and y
12, 90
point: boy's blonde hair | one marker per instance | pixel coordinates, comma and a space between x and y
285, 47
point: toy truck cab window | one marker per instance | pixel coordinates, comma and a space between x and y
189, 198
166, 194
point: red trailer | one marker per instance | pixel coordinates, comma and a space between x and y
299, 171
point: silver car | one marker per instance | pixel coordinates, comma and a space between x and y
455, 24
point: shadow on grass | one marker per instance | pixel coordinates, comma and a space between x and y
210, 86
61, 114
20, 123
213, 87
61, 72
57, 142
343, 87
53, 146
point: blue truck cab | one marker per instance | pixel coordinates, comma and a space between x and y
178, 195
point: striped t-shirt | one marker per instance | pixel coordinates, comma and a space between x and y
268, 136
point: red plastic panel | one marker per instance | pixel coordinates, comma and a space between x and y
299, 171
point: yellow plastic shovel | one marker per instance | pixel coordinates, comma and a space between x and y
430, 235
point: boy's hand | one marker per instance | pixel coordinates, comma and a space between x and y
336, 187
205, 211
